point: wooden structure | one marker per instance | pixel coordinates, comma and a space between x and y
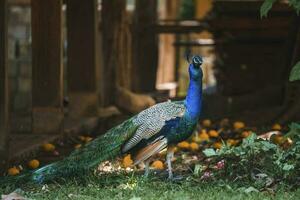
291, 106
249, 46
254, 58
47, 71
87, 79
145, 46
4, 129
83, 57
47, 68
91, 84
111, 20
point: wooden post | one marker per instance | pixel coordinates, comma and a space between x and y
112, 14
3, 83
166, 67
83, 53
145, 47
47, 70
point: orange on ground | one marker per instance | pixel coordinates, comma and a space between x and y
206, 123
127, 161
33, 164
238, 125
48, 147
183, 145
13, 171
77, 146
203, 135
246, 134
217, 145
231, 142
277, 139
157, 165
276, 127
213, 133
194, 146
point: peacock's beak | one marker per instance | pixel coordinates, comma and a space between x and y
197, 61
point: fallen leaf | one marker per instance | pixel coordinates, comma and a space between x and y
12, 196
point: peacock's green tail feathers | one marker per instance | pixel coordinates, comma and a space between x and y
84, 159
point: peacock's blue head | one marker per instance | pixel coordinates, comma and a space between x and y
195, 70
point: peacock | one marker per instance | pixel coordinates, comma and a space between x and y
143, 135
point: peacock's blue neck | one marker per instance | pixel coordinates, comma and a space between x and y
193, 99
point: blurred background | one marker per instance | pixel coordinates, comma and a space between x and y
72, 65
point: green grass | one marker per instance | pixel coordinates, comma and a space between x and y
136, 187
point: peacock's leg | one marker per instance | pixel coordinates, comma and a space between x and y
147, 162
170, 155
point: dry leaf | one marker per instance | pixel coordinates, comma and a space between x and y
12, 196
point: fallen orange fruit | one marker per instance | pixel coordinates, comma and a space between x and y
13, 171
206, 123
246, 134
127, 161
231, 142
183, 145
276, 127
217, 145
203, 135
33, 164
48, 147
194, 146
277, 139
213, 133
157, 165
238, 125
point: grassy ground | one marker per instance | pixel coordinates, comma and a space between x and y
118, 182
136, 187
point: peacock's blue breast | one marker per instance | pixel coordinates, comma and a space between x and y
178, 129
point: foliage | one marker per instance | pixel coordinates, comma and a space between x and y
260, 161
267, 5
295, 73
